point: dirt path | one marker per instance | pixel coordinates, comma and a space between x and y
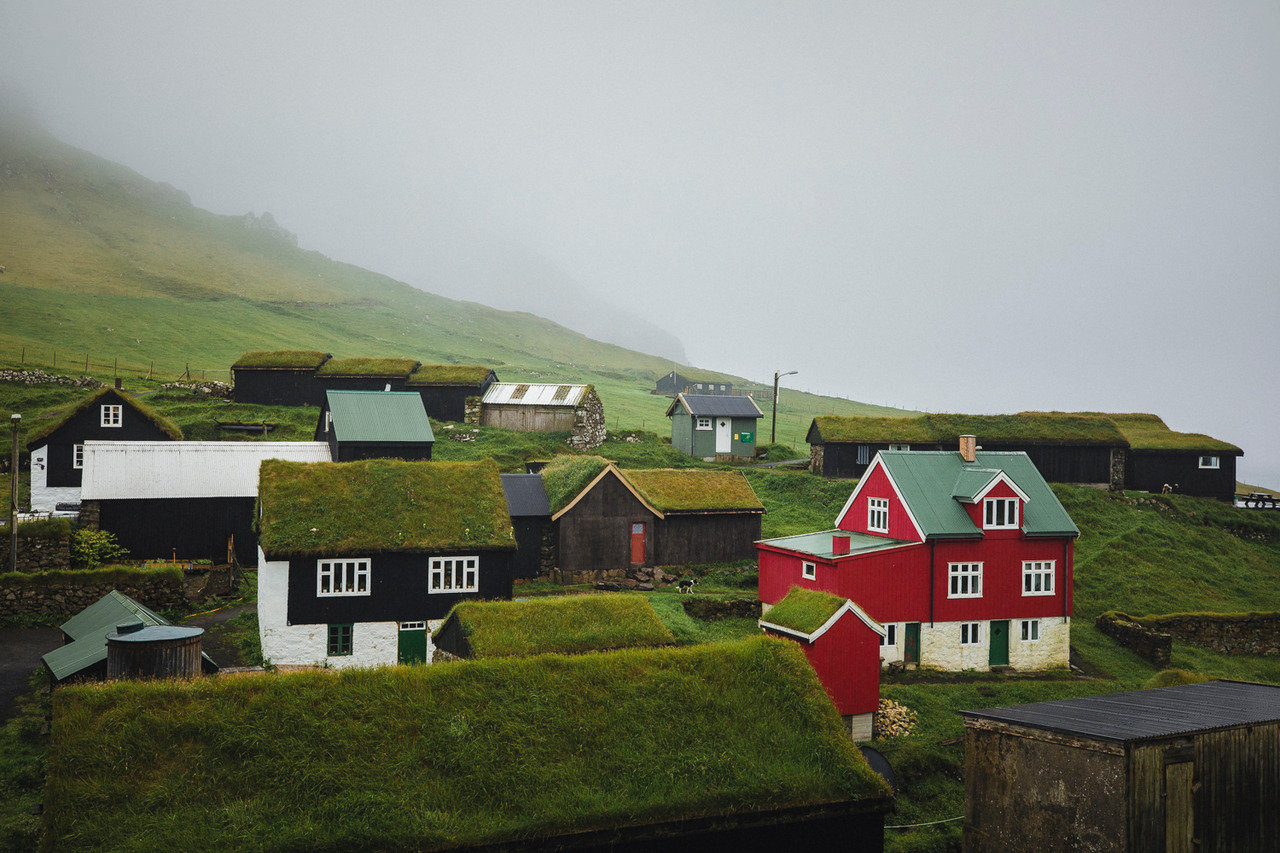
20, 653
216, 643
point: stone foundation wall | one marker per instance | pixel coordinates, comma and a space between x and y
815, 458
588, 423
1152, 645
471, 411
1117, 469
67, 597
1236, 634
41, 555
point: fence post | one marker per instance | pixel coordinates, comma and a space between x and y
115, 368
24, 356
86, 364
55, 359
150, 367
187, 374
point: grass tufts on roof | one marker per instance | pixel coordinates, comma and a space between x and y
804, 610
691, 490
162, 423
476, 752
375, 505
449, 374
395, 367
562, 625
1149, 432
1028, 427
303, 359
566, 476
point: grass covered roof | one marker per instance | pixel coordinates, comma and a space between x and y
804, 610
469, 753
559, 624
1149, 432
1025, 427
690, 490
376, 505
401, 367
566, 476
109, 395
449, 374
309, 359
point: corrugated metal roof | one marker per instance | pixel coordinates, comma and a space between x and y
379, 416
819, 544
715, 405
526, 495
1145, 714
527, 394
185, 469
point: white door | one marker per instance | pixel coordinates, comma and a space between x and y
724, 435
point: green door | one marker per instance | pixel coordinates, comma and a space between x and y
999, 655
911, 643
413, 642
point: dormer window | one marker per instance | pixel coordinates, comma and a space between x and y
112, 415
878, 514
1000, 513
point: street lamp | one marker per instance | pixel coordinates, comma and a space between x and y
773, 430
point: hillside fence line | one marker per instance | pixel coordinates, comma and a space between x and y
73, 359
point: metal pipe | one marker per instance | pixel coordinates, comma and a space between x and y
16, 420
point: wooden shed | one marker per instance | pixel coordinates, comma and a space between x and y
713, 427
279, 377
445, 388
375, 425
529, 407
366, 374
1188, 768
531, 520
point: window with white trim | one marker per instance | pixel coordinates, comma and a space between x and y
999, 513
890, 637
899, 447
969, 634
454, 574
1037, 577
809, 571
413, 626
342, 577
77, 456
340, 637
1209, 462
704, 423
112, 415
878, 514
864, 454
1030, 630
965, 580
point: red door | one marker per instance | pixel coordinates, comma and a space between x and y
637, 543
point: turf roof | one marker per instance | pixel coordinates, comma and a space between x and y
162, 423
478, 752
401, 367
297, 358
449, 374
566, 476
376, 505
559, 624
689, 490
1149, 432
1028, 427
696, 375
804, 610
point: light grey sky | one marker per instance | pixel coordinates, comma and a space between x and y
974, 207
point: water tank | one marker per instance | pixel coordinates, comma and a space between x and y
154, 651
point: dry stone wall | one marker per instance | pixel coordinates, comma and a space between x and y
588, 423
1154, 646
38, 554
1234, 633
63, 596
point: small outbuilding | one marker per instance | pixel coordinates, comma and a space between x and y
1188, 463
692, 382
531, 520
714, 427
366, 374
375, 425
1193, 767
278, 377
446, 388
530, 407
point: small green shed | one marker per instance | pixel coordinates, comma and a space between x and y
714, 427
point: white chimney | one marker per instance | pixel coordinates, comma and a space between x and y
968, 447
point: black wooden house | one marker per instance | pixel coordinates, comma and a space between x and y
531, 519
692, 382
445, 388
374, 425
366, 374
279, 377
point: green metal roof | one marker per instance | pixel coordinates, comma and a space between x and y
819, 544
929, 480
89, 629
379, 416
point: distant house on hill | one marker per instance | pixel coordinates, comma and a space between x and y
445, 388
714, 427
532, 407
1190, 463
366, 374
57, 450
375, 425
692, 383
279, 377
358, 560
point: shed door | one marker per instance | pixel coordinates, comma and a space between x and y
1179, 808
911, 643
724, 435
999, 655
637, 543
413, 642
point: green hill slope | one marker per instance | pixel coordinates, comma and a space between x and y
103, 264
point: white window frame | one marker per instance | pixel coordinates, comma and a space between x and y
77, 456
413, 626
991, 510
1212, 462
878, 514
964, 580
809, 570
343, 576
703, 423
1037, 577
1030, 630
698, 386
970, 634
890, 638
111, 415
454, 570
899, 447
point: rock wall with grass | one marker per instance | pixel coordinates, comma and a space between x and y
67, 593
38, 554
1228, 633
1152, 645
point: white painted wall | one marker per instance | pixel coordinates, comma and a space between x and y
940, 646
45, 498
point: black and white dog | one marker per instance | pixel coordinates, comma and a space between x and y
686, 585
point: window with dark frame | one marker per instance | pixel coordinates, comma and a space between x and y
340, 640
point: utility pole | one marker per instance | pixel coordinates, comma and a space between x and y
773, 429
15, 419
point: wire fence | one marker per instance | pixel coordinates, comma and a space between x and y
71, 360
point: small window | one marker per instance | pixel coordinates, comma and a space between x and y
1000, 513
878, 514
969, 634
809, 570
328, 421
704, 423
454, 574
890, 637
864, 454
342, 577
1209, 462
965, 580
1030, 630
698, 386
77, 456
899, 447
340, 640
1037, 577
112, 415
413, 626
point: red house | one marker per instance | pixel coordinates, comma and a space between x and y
964, 558
842, 644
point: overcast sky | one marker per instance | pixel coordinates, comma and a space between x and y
971, 207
